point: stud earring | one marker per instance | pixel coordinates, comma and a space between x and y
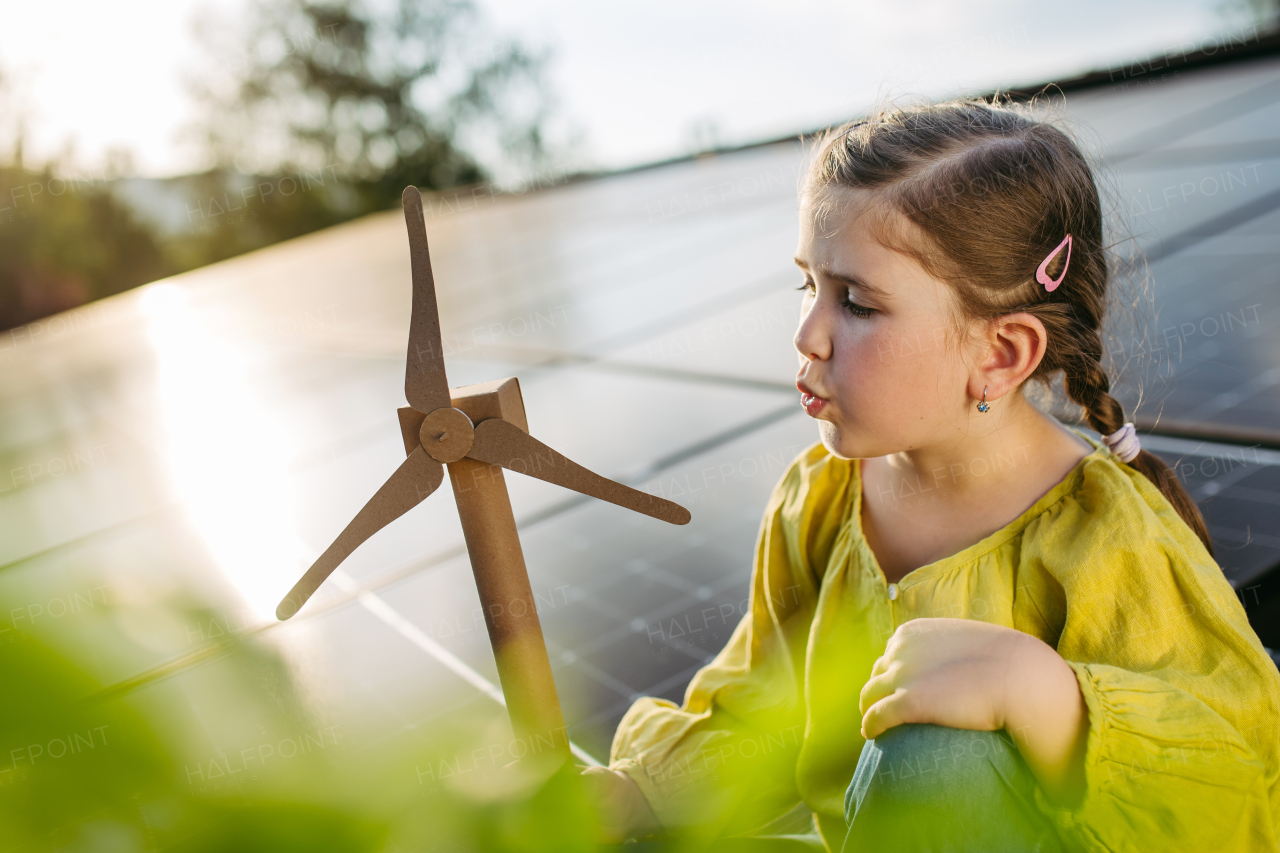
984, 405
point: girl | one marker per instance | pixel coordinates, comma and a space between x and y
971, 628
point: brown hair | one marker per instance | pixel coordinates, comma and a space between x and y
993, 191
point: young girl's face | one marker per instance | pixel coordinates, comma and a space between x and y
880, 369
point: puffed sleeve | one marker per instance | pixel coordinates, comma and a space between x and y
1183, 751
724, 761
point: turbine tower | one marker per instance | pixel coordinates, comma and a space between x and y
476, 431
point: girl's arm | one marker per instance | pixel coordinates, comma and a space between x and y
1046, 715
620, 806
698, 766
974, 675
1183, 732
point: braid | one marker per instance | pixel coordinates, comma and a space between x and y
1090, 387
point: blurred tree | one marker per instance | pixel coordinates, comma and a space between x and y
315, 113
416, 94
64, 242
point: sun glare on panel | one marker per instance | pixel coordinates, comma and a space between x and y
225, 449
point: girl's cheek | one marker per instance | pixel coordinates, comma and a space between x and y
859, 375
907, 354
874, 353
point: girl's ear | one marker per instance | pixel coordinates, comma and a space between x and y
1015, 345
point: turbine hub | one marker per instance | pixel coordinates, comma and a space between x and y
446, 434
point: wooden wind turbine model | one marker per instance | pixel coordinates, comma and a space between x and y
476, 430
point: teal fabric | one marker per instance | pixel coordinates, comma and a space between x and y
921, 787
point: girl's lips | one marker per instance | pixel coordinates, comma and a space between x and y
812, 404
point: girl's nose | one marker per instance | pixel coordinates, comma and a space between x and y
812, 339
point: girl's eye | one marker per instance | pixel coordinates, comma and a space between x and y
852, 307
855, 309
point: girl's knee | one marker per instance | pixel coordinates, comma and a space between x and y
927, 747
926, 787
919, 762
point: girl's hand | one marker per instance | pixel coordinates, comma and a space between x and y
951, 672
621, 807
973, 675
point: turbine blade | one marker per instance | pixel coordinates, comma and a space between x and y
501, 443
415, 479
425, 385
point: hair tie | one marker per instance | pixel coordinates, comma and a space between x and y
1051, 284
1123, 443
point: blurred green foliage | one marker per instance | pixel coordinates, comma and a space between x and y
156, 764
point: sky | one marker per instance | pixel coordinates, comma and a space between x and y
635, 80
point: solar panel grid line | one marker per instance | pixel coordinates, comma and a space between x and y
639, 474
596, 594
1259, 495
1248, 536
616, 267
581, 205
1163, 158
657, 689
677, 583
90, 536
1217, 484
209, 652
347, 444
693, 652
707, 308
700, 377
677, 605
547, 360
443, 712
711, 442
726, 622
321, 607
1216, 226
1227, 399
603, 677
609, 638
440, 712
414, 635
1254, 98
601, 605
610, 341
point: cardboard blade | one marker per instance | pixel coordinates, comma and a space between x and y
425, 385
500, 443
415, 479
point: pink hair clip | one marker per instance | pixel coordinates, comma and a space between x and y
1051, 284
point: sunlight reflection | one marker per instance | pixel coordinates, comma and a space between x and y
226, 450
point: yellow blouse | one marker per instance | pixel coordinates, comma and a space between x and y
1183, 750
